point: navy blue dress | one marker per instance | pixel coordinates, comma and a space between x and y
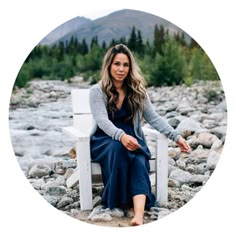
125, 173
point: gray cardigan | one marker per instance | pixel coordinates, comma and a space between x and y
98, 104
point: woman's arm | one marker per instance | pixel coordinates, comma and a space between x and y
158, 123
100, 114
151, 116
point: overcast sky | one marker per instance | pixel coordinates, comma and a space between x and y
100, 13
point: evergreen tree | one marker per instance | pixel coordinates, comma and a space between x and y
140, 45
132, 42
84, 47
180, 38
113, 42
148, 49
94, 41
23, 76
159, 39
60, 51
201, 67
72, 47
123, 40
104, 46
169, 68
194, 44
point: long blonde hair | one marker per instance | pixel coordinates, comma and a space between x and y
134, 82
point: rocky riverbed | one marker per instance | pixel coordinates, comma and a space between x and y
39, 111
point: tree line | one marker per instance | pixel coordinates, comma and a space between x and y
166, 61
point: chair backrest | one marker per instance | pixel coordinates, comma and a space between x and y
82, 116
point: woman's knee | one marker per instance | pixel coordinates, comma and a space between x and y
141, 164
116, 146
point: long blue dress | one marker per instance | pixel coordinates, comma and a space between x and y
125, 173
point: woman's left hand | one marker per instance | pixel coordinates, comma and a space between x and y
183, 145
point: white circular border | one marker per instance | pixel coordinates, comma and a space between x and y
24, 23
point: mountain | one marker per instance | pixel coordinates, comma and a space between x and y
64, 29
115, 25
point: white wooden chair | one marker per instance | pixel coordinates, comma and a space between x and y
80, 132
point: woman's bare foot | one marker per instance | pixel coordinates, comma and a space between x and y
139, 204
137, 220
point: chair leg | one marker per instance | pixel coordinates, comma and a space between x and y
85, 179
162, 171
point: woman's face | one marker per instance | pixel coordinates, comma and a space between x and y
120, 67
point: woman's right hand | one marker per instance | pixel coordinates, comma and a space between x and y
130, 142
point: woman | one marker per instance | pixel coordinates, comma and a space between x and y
118, 103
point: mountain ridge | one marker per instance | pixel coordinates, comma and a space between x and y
64, 29
116, 25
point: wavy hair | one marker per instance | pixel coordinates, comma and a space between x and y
134, 82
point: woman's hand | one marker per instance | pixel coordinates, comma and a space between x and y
130, 142
183, 145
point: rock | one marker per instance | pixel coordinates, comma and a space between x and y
171, 169
181, 176
74, 213
189, 125
39, 170
59, 168
202, 99
212, 160
71, 163
209, 124
116, 212
174, 114
201, 179
163, 212
171, 161
204, 139
72, 153
173, 154
53, 94
220, 132
53, 200
97, 201
184, 107
153, 216
181, 164
103, 217
217, 145
198, 156
191, 168
201, 168
96, 210
60, 181
99, 214
173, 183
174, 122
68, 173
167, 107
56, 190
73, 193
129, 213
64, 202
37, 183
187, 196
222, 106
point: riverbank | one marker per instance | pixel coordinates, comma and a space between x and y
38, 112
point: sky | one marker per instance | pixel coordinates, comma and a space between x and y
97, 14
23, 23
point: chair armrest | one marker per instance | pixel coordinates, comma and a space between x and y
153, 133
76, 134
